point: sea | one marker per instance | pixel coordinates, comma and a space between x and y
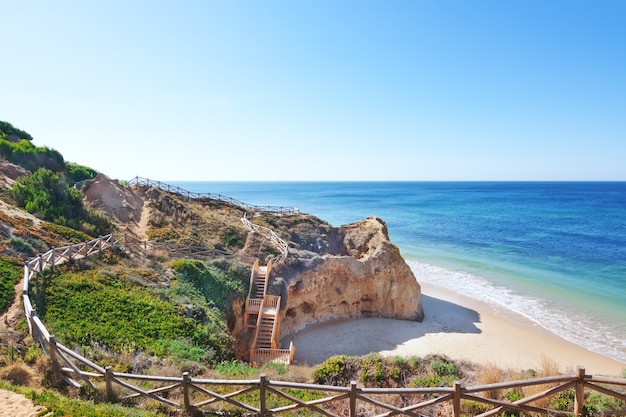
554, 252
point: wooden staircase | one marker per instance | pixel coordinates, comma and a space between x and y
258, 289
263, 314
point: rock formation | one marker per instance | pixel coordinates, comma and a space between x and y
331, 272
366, 276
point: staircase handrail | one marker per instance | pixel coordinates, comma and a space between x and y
258, 324
266, 232
253, 274
271, 236
276, 324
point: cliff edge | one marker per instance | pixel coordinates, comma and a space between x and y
363, 276
331, 272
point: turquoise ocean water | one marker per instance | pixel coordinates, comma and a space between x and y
552, 251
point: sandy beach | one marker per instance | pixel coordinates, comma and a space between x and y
456, 326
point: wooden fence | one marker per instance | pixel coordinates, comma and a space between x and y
264, 397
282, 246
269, 234
218, 197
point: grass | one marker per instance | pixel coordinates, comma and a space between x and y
83, 308
11, 273
413, 372
58, 405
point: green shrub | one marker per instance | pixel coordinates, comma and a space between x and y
47, 195
441, 372
431, 380
444, 368
62, 406
564, 400
596, 403
77, 173
22, 246
33, 353
232, 238
7, 129
338, 370
31, 157
373, 372
86, 307
218, 286
68, 233
235, 368
11, 272
279, 368
182, 350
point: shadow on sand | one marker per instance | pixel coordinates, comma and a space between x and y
318, 342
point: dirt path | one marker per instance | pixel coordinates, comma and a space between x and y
16, 405
14, 313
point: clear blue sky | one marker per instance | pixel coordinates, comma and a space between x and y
322, 90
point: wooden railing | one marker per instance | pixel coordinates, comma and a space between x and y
269, 234
218, 197
282, 246
265, 397
268, 302
57, 256
282, 356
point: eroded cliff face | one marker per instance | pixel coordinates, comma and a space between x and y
364, 276
331, 272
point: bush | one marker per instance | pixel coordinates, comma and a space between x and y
22, 246
7, 128
11, 273
235, 368
77, 173
72, 235
47, 195
218, 286
16, 374
31, 157
338, 370
86, 308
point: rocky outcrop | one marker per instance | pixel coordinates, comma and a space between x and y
121, 204
366, 276
331, 272
10, 172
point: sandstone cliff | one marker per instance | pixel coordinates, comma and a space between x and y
331, 272
364, 275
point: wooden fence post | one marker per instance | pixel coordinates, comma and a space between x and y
108, 383
34, 331
352, 398
186, 401
52, 349
456, 401
262, 399
579, 399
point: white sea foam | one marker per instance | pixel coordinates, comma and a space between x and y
583, 331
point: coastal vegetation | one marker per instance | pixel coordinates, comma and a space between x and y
48, 195
149, 314
11, 272
108, 305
